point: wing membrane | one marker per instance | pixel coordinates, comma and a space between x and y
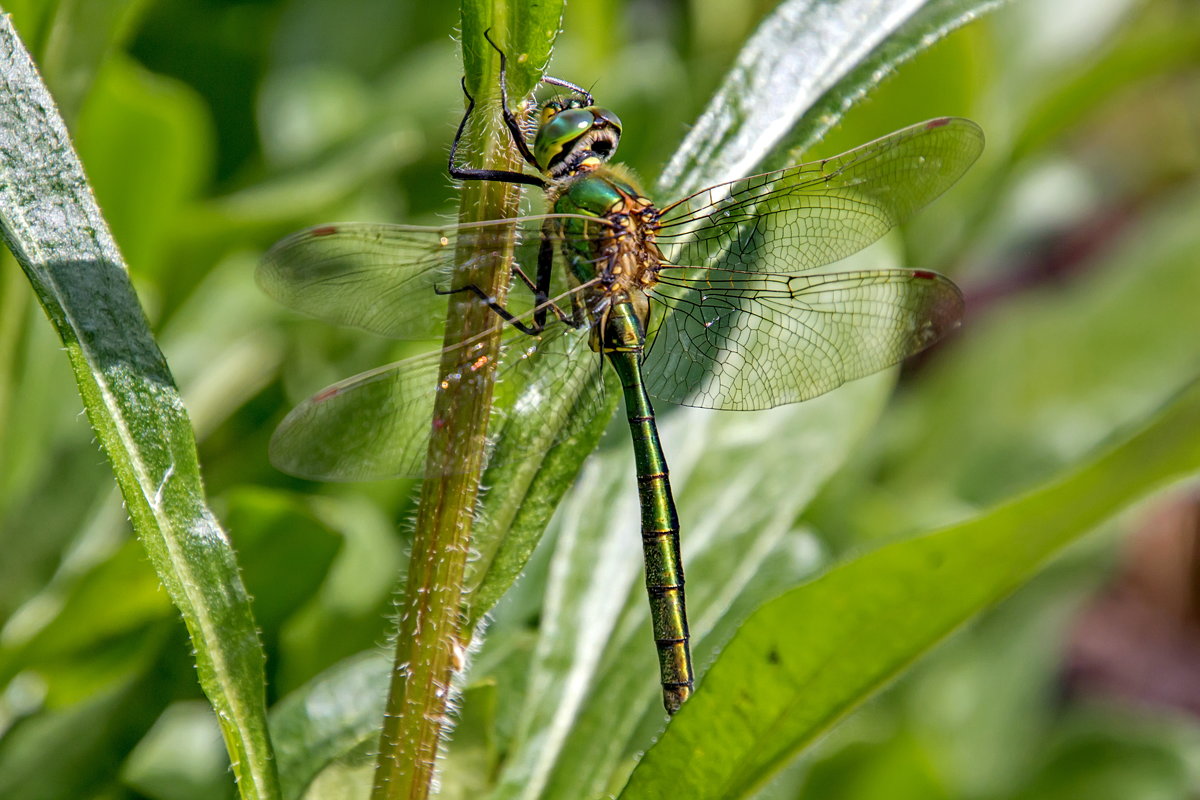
745, 341
803, 217
382, 278
376, 425
373, 425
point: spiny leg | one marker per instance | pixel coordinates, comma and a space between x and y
514, 130
510, 119
472, 174
541, 294
572, 87
541, 298
532, 330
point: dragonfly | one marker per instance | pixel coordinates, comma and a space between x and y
725, 299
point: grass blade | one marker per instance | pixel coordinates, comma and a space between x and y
50, 221
805, 659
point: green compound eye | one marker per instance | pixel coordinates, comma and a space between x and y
557, 133
572, 136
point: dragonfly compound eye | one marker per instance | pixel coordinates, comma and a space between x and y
573, 136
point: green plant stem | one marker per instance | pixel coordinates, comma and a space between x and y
429, 645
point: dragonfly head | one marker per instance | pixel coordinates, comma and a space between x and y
574, 136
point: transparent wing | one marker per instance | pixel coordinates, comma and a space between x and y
806, 216
373, 425
376, 425
744, 340
382, 278
548, 389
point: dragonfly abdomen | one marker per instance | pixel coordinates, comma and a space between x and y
624, 340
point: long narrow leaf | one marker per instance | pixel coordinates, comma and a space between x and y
50, 221
802, 70
525, 31
805, 659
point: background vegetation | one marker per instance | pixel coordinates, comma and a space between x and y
209, 128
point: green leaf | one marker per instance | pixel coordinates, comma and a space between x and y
1129, 756
806, 65
327, 718
146, 142
76, 751
98, 633
1137, 56
593, 673
181, 758
1032, 410
522, 497
805, 659
269, 523
82, 34
51, 223
524, 31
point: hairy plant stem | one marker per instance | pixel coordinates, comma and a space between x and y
429, 644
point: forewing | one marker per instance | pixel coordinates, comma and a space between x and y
802, 217
386, 278
744, 341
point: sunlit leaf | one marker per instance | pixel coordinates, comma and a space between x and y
54, 228
805, 659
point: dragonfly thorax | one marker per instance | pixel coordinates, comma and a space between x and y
609, 241
573, 137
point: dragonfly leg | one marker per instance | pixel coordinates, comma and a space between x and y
573, 87
472, 174
514, 129
542, 299
532, 330
539, 323
510, 119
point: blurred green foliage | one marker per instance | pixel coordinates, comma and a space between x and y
209, 128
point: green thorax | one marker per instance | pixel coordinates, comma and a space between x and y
607, 192
599, 192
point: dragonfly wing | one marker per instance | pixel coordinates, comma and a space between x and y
376, 425
550, 387
371, 426
745, 341
802, 217
384, 278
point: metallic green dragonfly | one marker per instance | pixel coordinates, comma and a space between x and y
719, 300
